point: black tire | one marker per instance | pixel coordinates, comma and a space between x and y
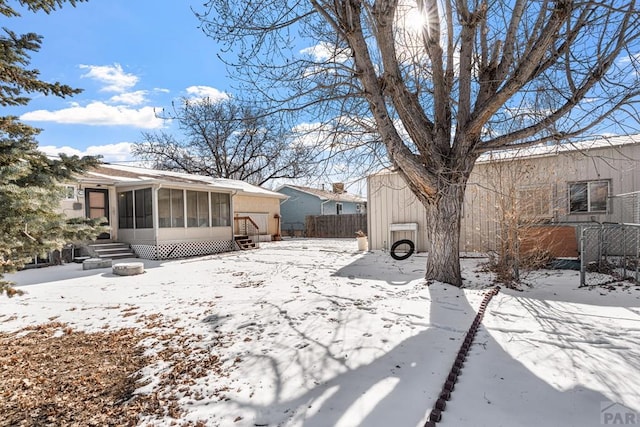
399, 243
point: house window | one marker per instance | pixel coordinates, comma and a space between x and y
197, 209
125, 209
70, 192
135, 209
220, 210
143, 204
170, 208
588, 196
534, 202
338, 208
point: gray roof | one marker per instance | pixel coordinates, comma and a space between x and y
547, 150
327, 195
121, 176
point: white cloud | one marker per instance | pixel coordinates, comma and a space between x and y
325, 51
130, 98
113, 76
98, 114
119, 152
207, 92
316, 135
627, 59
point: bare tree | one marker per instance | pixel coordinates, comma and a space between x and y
439, 82
522, 202
225, 140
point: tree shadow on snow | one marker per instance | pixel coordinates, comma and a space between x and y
581, 340
379, 265
400, 384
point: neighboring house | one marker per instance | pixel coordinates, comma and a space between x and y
305, 201
570, 184
163, 214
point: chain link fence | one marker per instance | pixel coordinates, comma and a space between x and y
609, 252
629, 205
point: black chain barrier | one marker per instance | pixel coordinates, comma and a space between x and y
436, 413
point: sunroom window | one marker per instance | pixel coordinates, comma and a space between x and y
220, 210
144, 206
197, 209
135, 209
170, 208
125, 209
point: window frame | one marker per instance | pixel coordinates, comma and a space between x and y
213, 209
219, 218
70, 188
176, 210
200, 218
126, 216
589, 196
129, 209
144, 220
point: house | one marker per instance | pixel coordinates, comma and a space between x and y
304, 201
162, 214
558, 186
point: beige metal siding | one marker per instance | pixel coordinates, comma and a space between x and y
390, 200
268, 206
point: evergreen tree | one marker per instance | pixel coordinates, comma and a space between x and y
29, 181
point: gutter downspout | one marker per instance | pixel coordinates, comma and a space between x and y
322, 206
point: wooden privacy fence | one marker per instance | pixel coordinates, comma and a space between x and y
337, 226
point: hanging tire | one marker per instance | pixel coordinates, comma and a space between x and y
398, 245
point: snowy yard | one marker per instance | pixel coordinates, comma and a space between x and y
314, 333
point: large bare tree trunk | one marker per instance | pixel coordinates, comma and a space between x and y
443, 234
473, 77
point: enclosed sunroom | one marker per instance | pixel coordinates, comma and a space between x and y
163, 214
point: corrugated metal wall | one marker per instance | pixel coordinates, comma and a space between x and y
390, 201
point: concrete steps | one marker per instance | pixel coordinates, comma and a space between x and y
111, 250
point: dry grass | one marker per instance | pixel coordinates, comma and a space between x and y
51, 375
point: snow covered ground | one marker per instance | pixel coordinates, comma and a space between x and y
311, 332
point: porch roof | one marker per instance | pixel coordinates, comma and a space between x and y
121, 176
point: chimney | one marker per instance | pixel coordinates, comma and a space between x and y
338, 187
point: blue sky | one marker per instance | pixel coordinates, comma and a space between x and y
130, 57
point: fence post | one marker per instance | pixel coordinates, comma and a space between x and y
637, 230
583, 267
624, 250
